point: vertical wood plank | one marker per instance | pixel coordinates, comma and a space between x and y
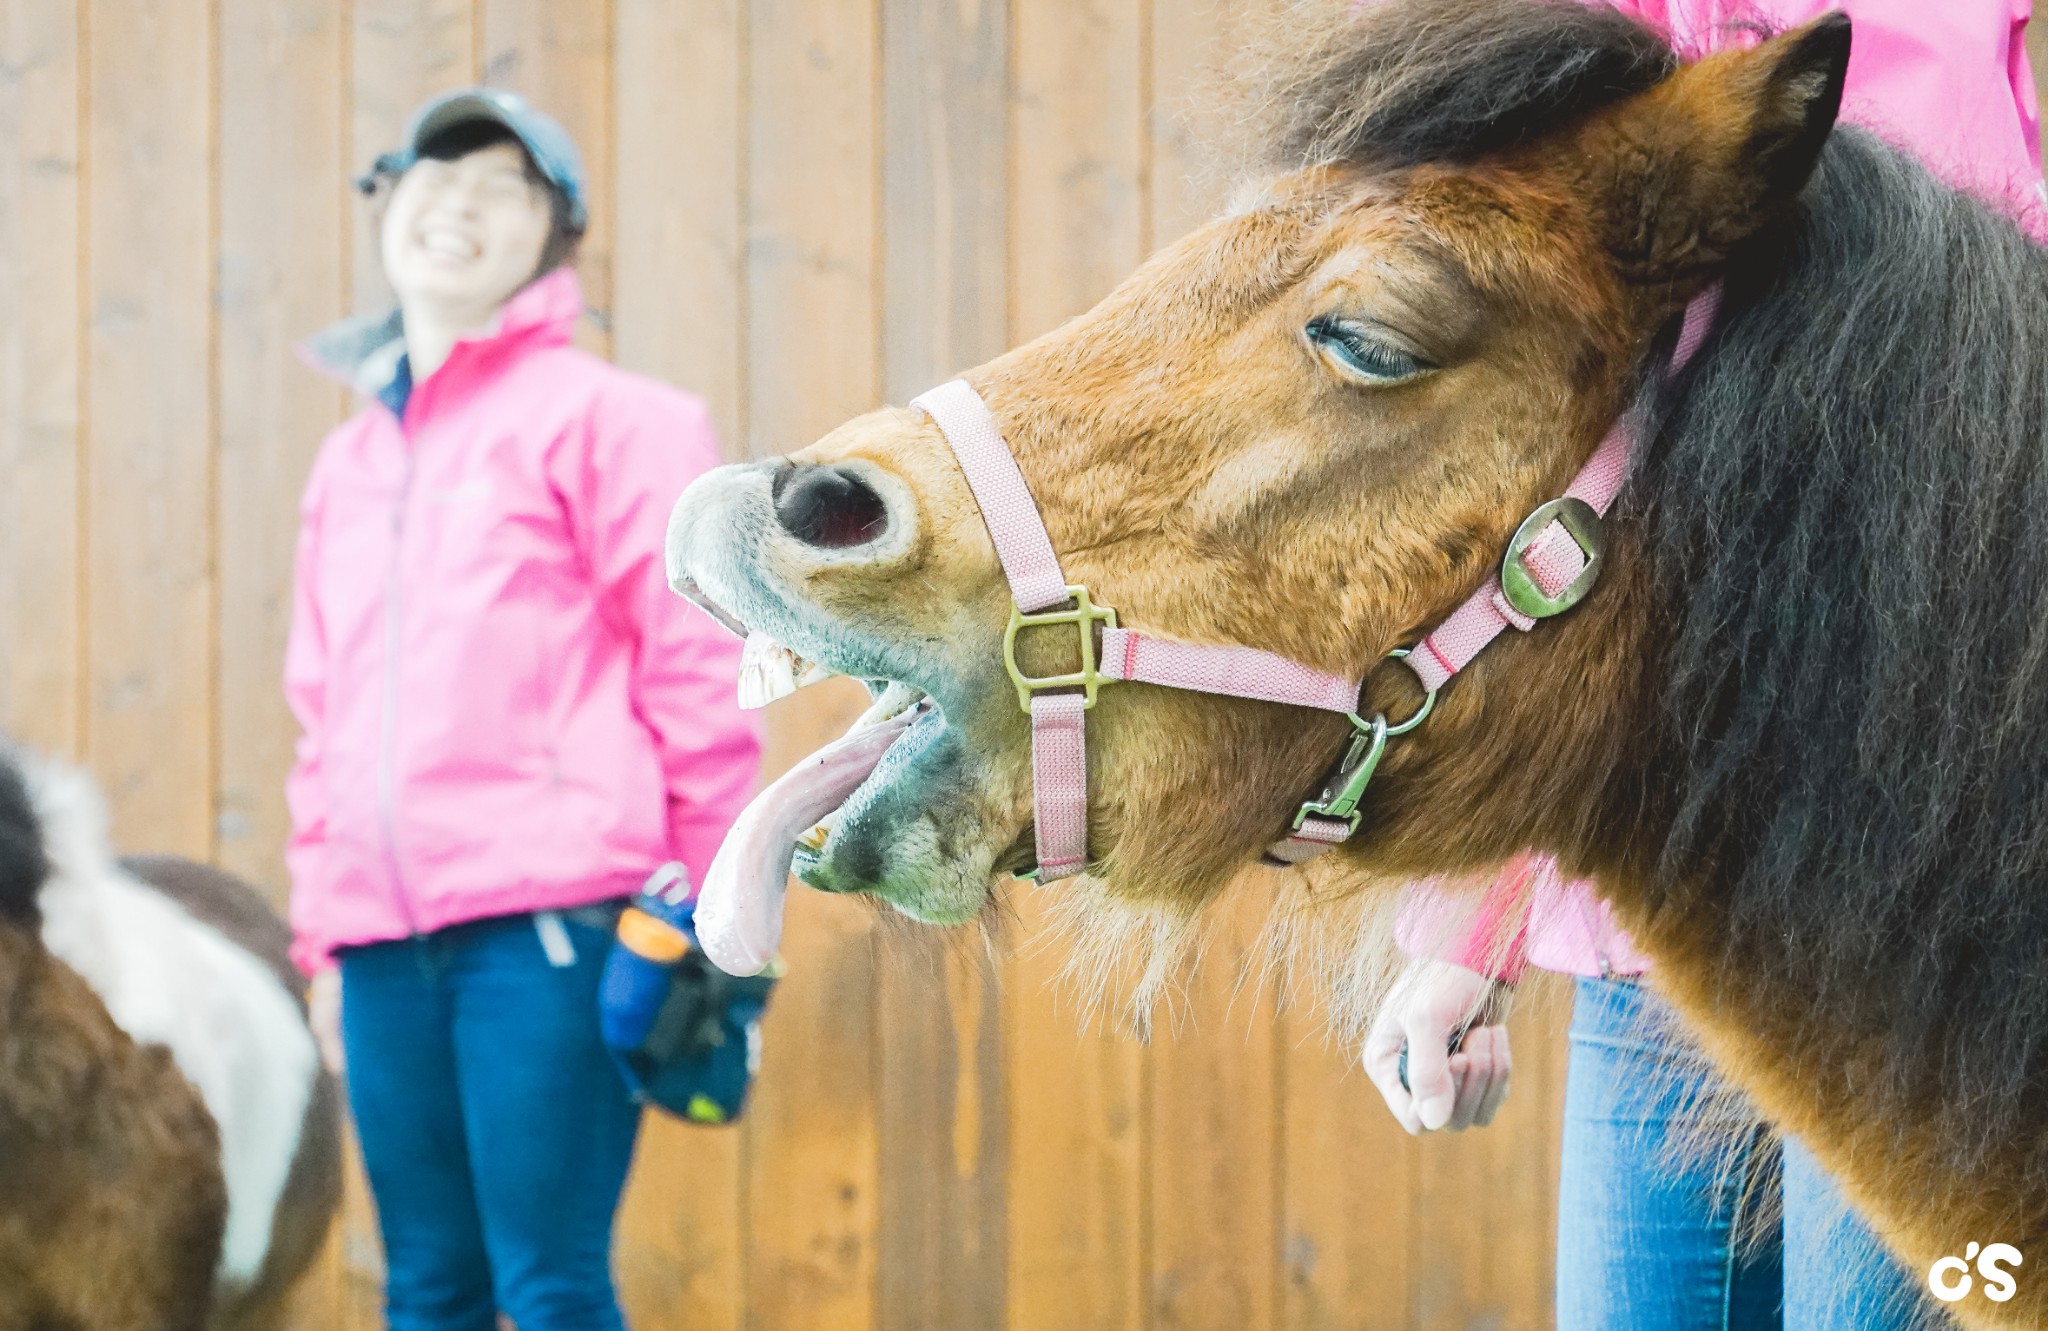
944, 1131
558, 55
944, 1123
1349, 1192
678, 315
813, 354
679, 301
1077, 1200
1485, 1237
1213, 1118
401, 53
812, 361
41, 583
149, 473
1077, 1139
282, 198
680, 1230
1190, 41
945, 189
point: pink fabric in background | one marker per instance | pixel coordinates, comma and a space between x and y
1945, 79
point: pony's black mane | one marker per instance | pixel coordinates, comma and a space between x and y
23, 866
1848, 513
1444, 81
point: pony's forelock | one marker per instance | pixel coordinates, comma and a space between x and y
1398, 85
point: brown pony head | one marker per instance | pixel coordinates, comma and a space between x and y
1309, 427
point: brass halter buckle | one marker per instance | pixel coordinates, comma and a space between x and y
1084, 615
1341, 794
1582, 523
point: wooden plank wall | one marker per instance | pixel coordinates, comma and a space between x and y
803, 208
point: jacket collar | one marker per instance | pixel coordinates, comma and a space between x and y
363, 352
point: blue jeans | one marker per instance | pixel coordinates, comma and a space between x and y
1649, 1241
495, 1129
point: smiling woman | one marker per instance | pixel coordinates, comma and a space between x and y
508, 727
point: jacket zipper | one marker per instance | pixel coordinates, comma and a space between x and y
387, 739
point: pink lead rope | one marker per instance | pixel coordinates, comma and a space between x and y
1558, 559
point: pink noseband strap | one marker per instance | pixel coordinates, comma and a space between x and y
1007, 508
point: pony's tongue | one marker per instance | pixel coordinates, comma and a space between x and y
739, 910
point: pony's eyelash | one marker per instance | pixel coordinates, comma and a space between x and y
1370, 357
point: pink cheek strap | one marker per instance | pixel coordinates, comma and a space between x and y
1554, 560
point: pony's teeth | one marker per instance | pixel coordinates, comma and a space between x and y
768, 671
897, 699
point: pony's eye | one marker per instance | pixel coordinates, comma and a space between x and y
1370, 358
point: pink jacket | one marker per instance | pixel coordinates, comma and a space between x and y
503, 707
1947, 79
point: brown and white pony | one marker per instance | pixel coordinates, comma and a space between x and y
1798, 734
169, 1143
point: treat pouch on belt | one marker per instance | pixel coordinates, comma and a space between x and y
686, 1035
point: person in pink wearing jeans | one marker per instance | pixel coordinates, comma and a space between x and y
509, 724
1646, 1242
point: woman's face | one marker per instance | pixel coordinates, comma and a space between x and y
464, 235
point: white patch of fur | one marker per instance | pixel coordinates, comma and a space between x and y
1327, 946
168, 979
1251, 195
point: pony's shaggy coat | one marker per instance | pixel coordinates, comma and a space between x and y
1798, 734
115, 1180
111, 1199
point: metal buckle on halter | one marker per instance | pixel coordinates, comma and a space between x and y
1341, 794
1084, 615
1582, 523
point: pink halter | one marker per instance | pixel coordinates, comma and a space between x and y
1551, 563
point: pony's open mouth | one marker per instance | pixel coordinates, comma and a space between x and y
739, 910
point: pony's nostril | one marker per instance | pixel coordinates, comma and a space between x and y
828, 507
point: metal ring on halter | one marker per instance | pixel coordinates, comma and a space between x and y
1421, 713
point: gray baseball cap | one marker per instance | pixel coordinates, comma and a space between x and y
546, 142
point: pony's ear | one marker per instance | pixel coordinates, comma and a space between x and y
1710, 156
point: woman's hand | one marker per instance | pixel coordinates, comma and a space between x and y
323, 1014
1429, 1004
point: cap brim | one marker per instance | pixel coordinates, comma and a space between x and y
460, 109
558, 164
